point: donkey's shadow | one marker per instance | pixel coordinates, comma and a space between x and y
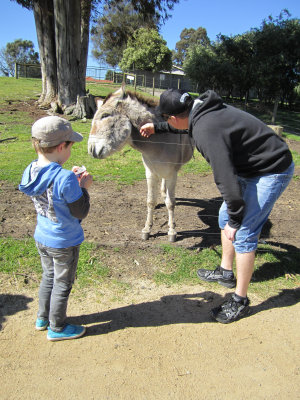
208, 213
173, 309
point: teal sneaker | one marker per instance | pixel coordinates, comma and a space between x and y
41, 324
69, 332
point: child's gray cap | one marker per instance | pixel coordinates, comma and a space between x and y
51, 131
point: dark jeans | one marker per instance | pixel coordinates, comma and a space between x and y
59, 270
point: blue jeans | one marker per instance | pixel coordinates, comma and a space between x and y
260, 194
59, 271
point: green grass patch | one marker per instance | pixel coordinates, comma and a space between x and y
21, 258
296, 158
274, 269
15, 90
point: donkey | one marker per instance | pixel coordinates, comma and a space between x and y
117, 122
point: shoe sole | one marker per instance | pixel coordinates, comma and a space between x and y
67, 337
245, 312
229, 285
42, 328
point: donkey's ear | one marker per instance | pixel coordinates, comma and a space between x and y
99, 103
123, 88
121, 92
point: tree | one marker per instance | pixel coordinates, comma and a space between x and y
188, 39
239, 52
278, 58
63, 34
20, 51
113, 29
148, 51
201, 66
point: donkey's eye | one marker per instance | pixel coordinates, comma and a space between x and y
105, 115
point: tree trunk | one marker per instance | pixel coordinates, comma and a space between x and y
63, 34
275, 111
44, 22
71, 49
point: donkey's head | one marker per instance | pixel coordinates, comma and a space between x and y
117, 118
111, 128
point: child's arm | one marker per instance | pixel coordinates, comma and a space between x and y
80, 208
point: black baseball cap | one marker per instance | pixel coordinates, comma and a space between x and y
174, 102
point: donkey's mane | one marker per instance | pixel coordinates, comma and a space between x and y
138, 96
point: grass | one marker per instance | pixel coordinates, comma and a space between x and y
124, 167
174, 265
275, 269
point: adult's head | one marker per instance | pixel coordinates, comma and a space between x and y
175, 106
175, 102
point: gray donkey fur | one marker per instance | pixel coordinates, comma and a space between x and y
117, 122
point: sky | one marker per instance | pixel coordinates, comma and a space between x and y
230, 17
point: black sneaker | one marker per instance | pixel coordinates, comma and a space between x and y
231, 310
216, 276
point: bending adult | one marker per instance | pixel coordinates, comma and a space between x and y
252, 166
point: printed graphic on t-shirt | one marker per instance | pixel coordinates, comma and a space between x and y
44, 204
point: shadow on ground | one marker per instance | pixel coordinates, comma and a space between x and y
11, 304
174, 309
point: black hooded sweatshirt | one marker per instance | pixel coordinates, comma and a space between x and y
235, 143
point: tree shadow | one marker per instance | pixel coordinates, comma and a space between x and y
11, 304
170, 310
287, 262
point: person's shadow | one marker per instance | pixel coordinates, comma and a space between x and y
191, 308
173, 309
11, 304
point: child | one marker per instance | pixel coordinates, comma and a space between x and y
61, 200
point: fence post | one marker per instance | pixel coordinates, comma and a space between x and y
178, 83
153, 86
16, 71
135, 76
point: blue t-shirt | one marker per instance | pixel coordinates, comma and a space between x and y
51, 189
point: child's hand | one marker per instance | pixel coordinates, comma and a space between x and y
75, 169
85, 180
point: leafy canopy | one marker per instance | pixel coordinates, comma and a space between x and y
20, 51
113, 29
148, 51
188, 39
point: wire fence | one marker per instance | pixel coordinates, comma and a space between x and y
148, 81
104, 75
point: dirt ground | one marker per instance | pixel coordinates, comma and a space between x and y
156, 342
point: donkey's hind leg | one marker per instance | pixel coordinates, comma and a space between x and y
152, 185
170, 202
163, 189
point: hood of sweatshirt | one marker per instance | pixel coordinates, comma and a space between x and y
209, 101
44, 179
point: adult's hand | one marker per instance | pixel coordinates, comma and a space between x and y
147, 130
229, 232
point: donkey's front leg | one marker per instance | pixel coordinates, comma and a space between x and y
170, 203
152, 185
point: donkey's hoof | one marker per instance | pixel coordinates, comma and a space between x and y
172, 238
145, 235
